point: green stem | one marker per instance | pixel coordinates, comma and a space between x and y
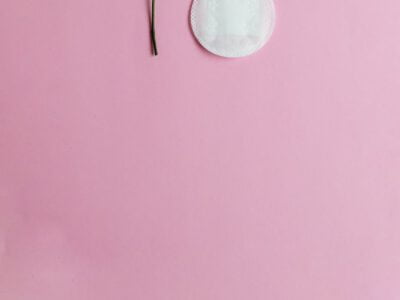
153, 31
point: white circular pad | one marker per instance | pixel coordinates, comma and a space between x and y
233, 28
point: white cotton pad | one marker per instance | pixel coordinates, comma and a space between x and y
233, 28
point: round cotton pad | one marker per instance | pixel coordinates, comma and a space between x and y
233, 28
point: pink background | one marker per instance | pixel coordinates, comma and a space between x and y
191, 177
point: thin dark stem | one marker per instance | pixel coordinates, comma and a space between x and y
153, 26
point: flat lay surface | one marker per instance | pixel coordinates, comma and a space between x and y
192, 177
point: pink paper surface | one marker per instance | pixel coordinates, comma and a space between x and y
192, 177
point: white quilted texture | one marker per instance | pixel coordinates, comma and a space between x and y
233, 28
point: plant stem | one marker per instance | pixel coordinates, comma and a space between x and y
153, 31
